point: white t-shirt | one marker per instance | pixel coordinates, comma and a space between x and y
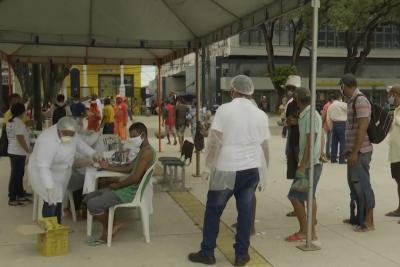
17, 127
244, 128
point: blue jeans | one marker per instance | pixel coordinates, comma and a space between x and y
15, 186
245, 186
328, 144
361, 193
338, 137
108, 128
52, 211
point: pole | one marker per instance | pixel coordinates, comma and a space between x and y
203, 76
309, 246
122, 82
37, 96
159, 104
10, 88
197, 108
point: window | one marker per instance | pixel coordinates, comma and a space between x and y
244, 38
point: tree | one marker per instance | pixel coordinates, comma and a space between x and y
53, 76
24, 75
359, 19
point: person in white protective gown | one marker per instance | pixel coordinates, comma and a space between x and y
51, 162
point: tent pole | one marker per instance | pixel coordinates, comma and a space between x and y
37, 97
10, 88
197, 109
309, 246
159, 104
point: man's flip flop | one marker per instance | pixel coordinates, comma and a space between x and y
96, 242
394, 213
296, 237
291, 214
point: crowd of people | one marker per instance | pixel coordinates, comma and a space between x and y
236, 158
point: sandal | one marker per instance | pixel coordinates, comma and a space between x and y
96, 242
363, 229
395, 213
16, 203
296, 237
291, 214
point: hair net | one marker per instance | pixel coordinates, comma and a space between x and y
67, 123
242, 84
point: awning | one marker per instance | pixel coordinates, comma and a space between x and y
125, 31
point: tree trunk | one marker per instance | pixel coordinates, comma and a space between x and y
53, 76
268, 30
24, 76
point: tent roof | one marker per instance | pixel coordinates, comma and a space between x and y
124, 31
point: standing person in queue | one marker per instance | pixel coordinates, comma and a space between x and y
51, 162
59, 109
237, 143
394, 143
296, 197
181, 113
18, 149
359, 153
94, 117
337, 117
292, 142
121, 117
108, 117
328, 130
169, 121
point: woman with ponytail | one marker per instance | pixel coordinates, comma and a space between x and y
18, 149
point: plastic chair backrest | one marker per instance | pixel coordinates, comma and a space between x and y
145, 180
187, 151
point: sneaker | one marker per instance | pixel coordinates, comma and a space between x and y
242, 261
199, 257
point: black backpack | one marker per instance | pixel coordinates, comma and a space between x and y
380, 123
58, 113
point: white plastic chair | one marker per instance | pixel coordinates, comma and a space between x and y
140, 201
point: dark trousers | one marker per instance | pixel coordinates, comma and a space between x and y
108, 128
328, 144
245, 186
338, 138
52, 211
15, 186
362, 195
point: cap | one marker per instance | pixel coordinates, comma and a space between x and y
349, 80
293, 80
67, 123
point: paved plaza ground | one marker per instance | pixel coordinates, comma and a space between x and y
174, 234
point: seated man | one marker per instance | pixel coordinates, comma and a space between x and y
98, 202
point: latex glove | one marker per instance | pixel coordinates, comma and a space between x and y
50, 197
97, 157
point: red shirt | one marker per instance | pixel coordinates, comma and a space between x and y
170, 121
324, 117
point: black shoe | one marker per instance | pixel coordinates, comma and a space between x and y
342, 162
26, 195
199, 257
242, 261
333, 161
16, 203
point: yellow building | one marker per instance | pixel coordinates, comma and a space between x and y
103, 80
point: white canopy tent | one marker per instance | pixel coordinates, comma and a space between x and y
124, 31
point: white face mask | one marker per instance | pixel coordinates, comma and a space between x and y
391, 100
66, 139
136, 141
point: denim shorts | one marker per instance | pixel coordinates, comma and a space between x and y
303, 196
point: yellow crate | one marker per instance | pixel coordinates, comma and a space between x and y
54, 241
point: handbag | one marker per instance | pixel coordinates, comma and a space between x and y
3, 142
301, 183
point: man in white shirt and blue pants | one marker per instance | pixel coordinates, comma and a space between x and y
237, 149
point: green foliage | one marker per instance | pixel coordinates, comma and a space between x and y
281, 74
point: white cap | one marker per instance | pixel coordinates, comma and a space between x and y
67, 123
293, 80
242, 84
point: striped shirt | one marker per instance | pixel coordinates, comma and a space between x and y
363, 110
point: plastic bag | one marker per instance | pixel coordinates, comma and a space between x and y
301, 183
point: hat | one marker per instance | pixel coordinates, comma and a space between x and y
293, 80
349, 80
395, 88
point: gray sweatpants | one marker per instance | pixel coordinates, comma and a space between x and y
100, 200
